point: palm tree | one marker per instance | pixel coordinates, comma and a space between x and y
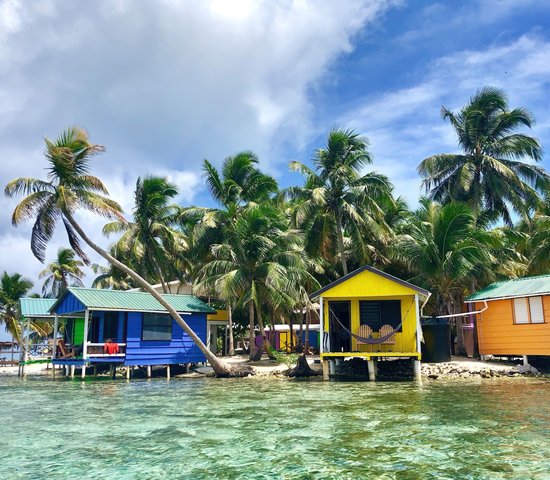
63, 272
336, 199
489, 174
12, 288
446, 249
68, 188
149, 244
259, 264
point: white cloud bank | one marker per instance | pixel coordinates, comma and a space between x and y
162, 84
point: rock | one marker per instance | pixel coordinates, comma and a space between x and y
526, 369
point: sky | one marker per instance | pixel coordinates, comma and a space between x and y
165, 84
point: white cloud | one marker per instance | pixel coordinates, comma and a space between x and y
163, 85
405, 126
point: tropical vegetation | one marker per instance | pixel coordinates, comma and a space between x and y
261, 249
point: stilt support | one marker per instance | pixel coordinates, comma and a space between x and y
83, 373
112, 371
167, 372
72, 371
326, 367
525, 360
417, 367
128, 373
148, 371
372, 373
95, 370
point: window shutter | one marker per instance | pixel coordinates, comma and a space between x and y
521, 313
537, 312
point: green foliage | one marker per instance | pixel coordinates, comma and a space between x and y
289, 359
65, 271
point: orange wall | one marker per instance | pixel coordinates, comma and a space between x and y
499, 335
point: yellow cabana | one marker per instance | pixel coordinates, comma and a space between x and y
372, 315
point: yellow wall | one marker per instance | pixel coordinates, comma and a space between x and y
499, 335
220, 316
370, 286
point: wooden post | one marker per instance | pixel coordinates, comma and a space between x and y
72, 371
26, 355
112, 371
326, 374
332, 367
95, 369
83, 371
321, 325
186, 368
167, 372
525, 360
417, 367
372, 373
54, 342
85, 343
128, 372
148, 371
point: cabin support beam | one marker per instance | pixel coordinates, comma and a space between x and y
83, 371
128, 372
54, 342
417, 368
372, 370
525, 360
72, 371
326, 374
148, 371
167, 372
85, 342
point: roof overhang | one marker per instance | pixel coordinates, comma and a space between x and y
508, 297
404, 283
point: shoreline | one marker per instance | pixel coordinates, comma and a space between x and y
459, 368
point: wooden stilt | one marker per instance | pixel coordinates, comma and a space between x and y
72, 371
525, 360
95, 370
112, 370
375, 363
326, 374
417, 366
186, 368
168, 372
128, 373
148, 371
372, 373
332, 367
83, 371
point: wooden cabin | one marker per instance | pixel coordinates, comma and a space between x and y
126, 328
372, 315
514, 317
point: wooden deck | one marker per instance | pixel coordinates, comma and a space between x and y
370, 355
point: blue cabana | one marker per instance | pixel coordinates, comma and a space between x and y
127, 328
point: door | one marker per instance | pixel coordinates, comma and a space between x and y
340, 326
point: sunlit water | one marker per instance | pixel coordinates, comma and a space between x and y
252, 429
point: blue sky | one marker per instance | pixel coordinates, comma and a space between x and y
164, 84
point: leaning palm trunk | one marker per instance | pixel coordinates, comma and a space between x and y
221, 368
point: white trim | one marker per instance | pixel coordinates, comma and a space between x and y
90, 344
94, 355
85, 342
542, 294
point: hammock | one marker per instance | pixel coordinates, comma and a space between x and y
371, 341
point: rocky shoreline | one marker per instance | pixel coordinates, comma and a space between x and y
465, 370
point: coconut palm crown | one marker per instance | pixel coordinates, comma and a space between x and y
68, 187
65, 271
489, 174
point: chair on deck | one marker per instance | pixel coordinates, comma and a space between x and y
64, 351
366, 332
386, 330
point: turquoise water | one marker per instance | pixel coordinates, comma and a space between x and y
252, 429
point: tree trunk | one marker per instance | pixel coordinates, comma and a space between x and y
265, 341
302, 368
306, 342
341, 243
230, 332
252, 337
221, 368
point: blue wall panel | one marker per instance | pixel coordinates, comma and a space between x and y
180, 349
69, 304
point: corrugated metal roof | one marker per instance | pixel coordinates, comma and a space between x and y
518, 287
36, 307
97, 299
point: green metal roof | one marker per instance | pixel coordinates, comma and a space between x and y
124, 300
519, 287
36, 307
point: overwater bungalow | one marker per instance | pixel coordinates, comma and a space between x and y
371, 315
126, 328
513, 317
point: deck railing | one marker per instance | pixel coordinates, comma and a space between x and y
97, 350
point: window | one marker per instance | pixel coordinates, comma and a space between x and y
528, 310
156, 326
378, 313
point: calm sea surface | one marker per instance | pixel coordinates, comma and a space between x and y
251, 429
